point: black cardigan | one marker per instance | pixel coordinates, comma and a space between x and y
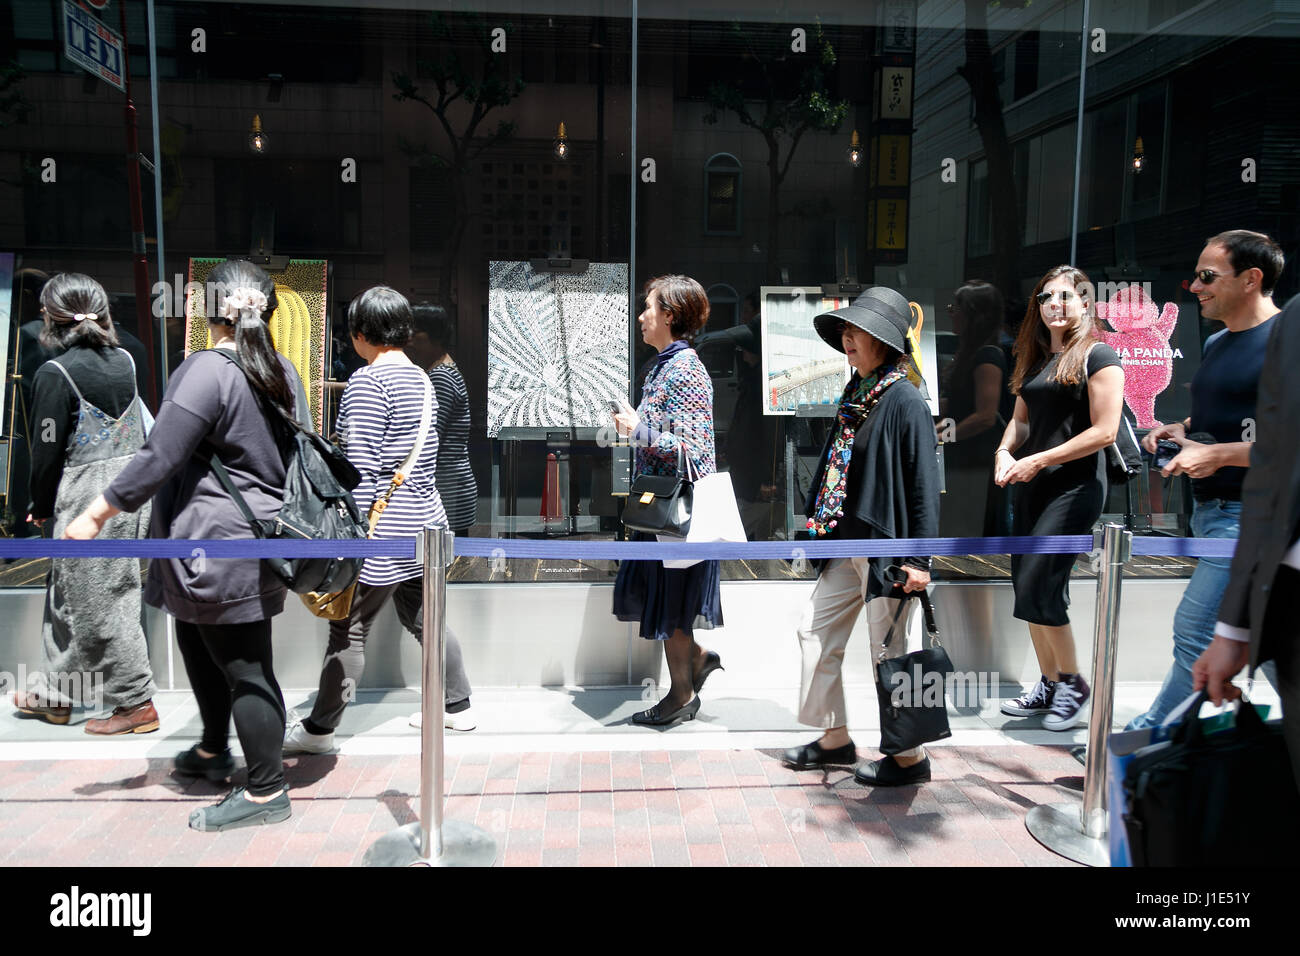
893, 485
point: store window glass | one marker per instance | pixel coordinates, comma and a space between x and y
483, 158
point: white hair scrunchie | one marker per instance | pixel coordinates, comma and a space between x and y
243, 303
82, 316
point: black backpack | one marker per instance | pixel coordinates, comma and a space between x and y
318, 503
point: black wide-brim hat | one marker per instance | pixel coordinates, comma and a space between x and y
880, 312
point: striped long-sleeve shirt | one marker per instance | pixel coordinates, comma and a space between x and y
379, 418
455, 477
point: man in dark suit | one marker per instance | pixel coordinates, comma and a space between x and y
1258, 615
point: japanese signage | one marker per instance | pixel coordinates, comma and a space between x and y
890, 160
895, 93
91, 45
899, 29
891, 224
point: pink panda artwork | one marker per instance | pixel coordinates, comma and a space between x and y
1142, 341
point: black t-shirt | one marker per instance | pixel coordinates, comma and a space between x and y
1224, 392
1059, 412
961, 390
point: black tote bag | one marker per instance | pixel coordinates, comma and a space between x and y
910, 689
1223, 799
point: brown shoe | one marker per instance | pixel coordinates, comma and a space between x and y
32, 706
140, 719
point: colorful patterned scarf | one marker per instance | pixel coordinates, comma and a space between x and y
857, 402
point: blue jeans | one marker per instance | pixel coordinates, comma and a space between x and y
1198, 611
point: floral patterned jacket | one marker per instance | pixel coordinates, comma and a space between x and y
676, 414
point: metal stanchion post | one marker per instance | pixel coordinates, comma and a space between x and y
1078, 832
433, 841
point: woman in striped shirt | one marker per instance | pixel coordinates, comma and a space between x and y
379, 423
428, 350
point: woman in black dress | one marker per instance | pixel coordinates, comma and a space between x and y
973, 388
1070, 393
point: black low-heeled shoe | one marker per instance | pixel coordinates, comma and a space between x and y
712, 662
889, 773
655, 718
216, 768
814, 755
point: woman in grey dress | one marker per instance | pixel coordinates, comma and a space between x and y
90, 422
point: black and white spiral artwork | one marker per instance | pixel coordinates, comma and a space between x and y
557, 345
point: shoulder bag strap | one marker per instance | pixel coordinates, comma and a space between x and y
214, 461
228, 484
57, 364
413, 456
134, 390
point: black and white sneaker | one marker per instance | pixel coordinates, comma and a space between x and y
1037, 701
1068, 700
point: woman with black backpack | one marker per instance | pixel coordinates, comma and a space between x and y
223, 607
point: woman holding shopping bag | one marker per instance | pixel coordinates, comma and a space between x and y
879, 478
673, 431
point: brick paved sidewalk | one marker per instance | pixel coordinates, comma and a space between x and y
660, 808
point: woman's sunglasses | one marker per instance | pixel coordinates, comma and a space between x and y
1046, 297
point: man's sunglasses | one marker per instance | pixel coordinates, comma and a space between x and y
1207, 276
1046, 297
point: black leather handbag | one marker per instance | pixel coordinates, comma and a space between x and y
910, 689
661, 504
1220, 799
1124, 454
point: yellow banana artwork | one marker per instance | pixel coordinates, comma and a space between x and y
916, 374
296, 326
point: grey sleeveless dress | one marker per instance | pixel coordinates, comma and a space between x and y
92, 637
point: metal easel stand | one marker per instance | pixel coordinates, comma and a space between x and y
433, 841
1078, 832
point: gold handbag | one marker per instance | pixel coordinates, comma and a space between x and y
337, 605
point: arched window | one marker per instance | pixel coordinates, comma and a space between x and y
722, 180
724, 311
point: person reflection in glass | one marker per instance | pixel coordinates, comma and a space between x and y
973, 387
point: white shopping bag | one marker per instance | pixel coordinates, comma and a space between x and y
714, 517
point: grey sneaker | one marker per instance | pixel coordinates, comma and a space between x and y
1068, 700
235, 811
1037, 701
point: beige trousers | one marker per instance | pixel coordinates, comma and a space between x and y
824, 636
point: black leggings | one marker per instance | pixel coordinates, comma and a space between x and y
229, 666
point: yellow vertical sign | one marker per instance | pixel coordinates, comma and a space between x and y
891, 224
894, 160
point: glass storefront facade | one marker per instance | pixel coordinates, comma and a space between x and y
952, 150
